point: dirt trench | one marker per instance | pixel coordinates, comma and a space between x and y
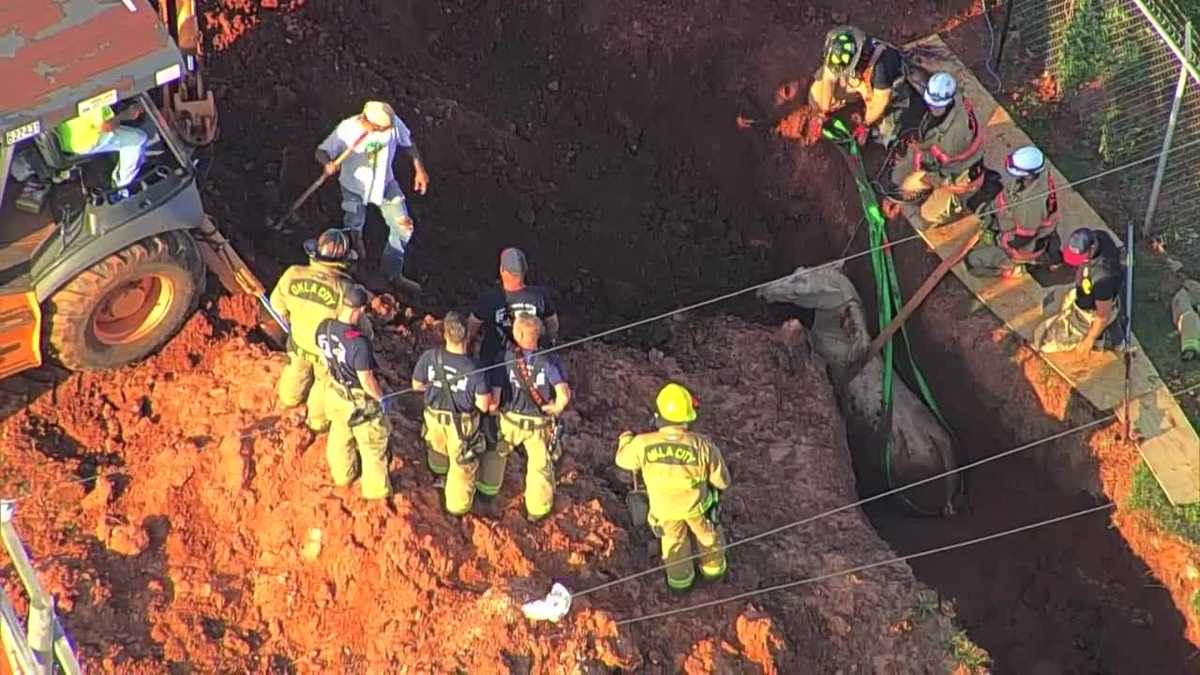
599, 136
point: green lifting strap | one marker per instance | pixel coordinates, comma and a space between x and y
887, 288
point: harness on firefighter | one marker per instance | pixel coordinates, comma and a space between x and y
969, 180
366, 409
1041, 234
558, 428
471, 446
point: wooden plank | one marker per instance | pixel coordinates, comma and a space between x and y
1168, 443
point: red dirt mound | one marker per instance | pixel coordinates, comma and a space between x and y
215, 540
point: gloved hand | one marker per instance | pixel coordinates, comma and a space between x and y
859, 130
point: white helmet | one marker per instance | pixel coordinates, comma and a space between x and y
1025, 161
940, 91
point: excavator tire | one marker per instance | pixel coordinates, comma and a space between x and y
127, 305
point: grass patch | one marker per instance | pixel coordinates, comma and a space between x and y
1146, 496
1154, 284
965, 654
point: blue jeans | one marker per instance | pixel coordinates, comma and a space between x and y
395, 214
129, 143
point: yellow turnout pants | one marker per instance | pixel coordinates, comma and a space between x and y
534, 433
304, 380
676, 546
444, 446
365, 443
944, 194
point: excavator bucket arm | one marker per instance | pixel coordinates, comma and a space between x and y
187, 103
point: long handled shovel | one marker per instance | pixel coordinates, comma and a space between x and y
281, 222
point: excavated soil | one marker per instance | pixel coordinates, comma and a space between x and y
600, 137
212, 539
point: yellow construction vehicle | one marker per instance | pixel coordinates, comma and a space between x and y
94, 273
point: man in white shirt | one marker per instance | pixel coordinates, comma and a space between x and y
366, 177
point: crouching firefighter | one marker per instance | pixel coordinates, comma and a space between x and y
872, 69
532, 396
942, 160
305, 296
455, 395
684, 475
1023, 228
1089, 316
359, 428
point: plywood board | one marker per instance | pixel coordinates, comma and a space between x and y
1169, 443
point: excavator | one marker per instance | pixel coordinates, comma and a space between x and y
92, 275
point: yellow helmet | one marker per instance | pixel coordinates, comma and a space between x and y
675, 404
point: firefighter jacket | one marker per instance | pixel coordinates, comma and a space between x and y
308, 294
1026, 212
948, 145
681, 470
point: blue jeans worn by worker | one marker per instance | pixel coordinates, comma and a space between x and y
130, 145
395, 213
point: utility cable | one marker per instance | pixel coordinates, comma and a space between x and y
832, 263
862, 568
987, 17
882, 495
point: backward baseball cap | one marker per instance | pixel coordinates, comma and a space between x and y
512, 260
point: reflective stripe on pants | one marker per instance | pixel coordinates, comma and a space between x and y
539, 469
677, 545
444, 446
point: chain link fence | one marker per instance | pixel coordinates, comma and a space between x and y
1127, 68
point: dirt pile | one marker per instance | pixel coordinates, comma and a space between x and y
217, 542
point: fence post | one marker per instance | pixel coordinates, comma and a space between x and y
1160, 172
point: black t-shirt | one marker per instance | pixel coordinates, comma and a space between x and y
497, 307
455, 388
1101, 278
888, 68
544, 371
347, 351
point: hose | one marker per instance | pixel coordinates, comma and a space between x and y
889, 300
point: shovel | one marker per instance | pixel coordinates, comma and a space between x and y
638, 505
280, 223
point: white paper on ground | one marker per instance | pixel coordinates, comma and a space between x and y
553, 607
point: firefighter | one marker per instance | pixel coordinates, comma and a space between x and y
532, 397
304, 296
456, 392
684, 475
875, 70
375, 138
943, 155
1089, 317
493, 315
359, 427
1023, 227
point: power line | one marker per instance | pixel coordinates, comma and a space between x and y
803, 272
882, 495
862, 568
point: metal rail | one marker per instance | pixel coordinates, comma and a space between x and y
44, 648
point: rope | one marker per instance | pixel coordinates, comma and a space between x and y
804, 272
889, 300
862, 568
882, 495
